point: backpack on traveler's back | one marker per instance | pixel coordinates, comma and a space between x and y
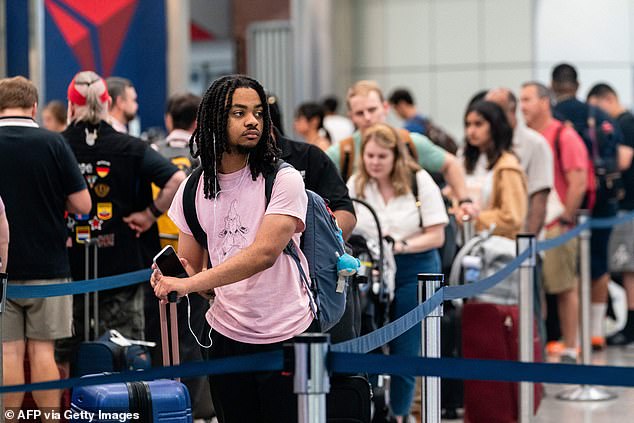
321, 244
437, 135
602, 144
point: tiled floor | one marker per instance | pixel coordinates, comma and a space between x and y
621, 409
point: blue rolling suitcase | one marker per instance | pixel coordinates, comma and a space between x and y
155, 401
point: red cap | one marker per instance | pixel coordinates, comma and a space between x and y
75, 97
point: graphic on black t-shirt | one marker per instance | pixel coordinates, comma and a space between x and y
103, 168
233, 231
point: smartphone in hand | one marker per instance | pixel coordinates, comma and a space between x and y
169, 264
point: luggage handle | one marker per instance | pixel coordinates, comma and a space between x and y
174, 358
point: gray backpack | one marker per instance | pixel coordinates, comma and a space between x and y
483, 256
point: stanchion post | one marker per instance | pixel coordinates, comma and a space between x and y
311, 382
527, 269
428, 284
468, 228
585, 392
3, 301
87, 294
585, 341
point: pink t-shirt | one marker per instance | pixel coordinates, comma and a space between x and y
573, 156
270, 306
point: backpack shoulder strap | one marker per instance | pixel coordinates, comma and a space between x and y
406, 137
417, 198
346, 157
269, 180
189, 207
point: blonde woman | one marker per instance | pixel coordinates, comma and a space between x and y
385, 179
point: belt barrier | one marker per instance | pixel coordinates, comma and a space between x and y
452, 368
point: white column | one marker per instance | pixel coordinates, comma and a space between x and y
178, 45
36, 47
3, 39
311, 23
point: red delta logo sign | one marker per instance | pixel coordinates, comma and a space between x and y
93, 29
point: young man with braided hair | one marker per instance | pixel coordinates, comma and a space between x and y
260, 302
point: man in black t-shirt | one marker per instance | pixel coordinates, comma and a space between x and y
41, 180
621, 249
319, 173
601, 138
321, 176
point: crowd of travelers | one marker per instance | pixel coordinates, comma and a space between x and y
72, 173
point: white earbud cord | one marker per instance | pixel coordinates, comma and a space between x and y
189, 324
217, 185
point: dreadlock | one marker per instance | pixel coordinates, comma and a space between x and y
211, 131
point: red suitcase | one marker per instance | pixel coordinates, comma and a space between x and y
490, 331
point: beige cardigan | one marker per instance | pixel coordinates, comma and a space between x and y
509, 198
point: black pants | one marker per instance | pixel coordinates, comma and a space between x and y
251, 397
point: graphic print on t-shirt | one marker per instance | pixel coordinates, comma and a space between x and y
233, 231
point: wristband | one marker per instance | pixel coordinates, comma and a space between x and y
154, 210
464, 200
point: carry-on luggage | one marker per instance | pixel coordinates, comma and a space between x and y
490, 331
99, 354
111, 353
452, 390
155, 401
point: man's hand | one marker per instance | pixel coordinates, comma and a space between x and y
140, 221
163, 285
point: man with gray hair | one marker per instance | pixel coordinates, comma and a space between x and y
124, 102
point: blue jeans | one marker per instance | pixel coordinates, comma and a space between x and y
408, 266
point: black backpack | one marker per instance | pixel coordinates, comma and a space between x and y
601, 140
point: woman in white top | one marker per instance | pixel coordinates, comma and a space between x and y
385, 180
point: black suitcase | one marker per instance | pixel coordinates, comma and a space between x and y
452, 390
349, 400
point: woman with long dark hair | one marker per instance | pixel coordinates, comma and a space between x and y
495, 179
